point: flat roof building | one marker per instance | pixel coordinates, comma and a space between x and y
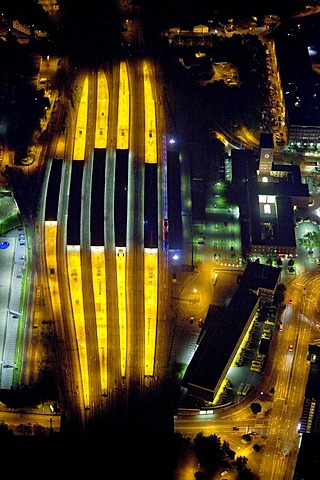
267, 195
224, 331
310, 419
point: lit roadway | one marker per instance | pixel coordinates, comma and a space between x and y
287, 373
14, 419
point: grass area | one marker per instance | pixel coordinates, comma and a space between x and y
10, 223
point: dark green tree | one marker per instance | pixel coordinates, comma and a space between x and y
208, 450
5, 432
310, 240
257, 447
247, 474
255, 407
200, 476
293, 157
279, 294
240, 463
246, 438
315, 175
227, 450
281, 287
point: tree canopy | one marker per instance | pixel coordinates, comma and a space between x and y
214, 454
310, 240
255, 407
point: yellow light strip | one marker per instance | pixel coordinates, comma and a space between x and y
150, 306
102, 112
123, 109
99, 287
150, 118
81, 126
51, 258
121, 284
75, 281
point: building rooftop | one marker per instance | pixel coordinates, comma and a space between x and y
284, 188
258, 275
268, 228
223, 330
266, 140
313, 384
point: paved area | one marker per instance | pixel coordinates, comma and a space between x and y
13, 259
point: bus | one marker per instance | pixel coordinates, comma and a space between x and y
246, 389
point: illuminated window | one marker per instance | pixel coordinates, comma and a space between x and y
267, 208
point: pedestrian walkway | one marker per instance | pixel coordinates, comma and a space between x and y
12, 265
